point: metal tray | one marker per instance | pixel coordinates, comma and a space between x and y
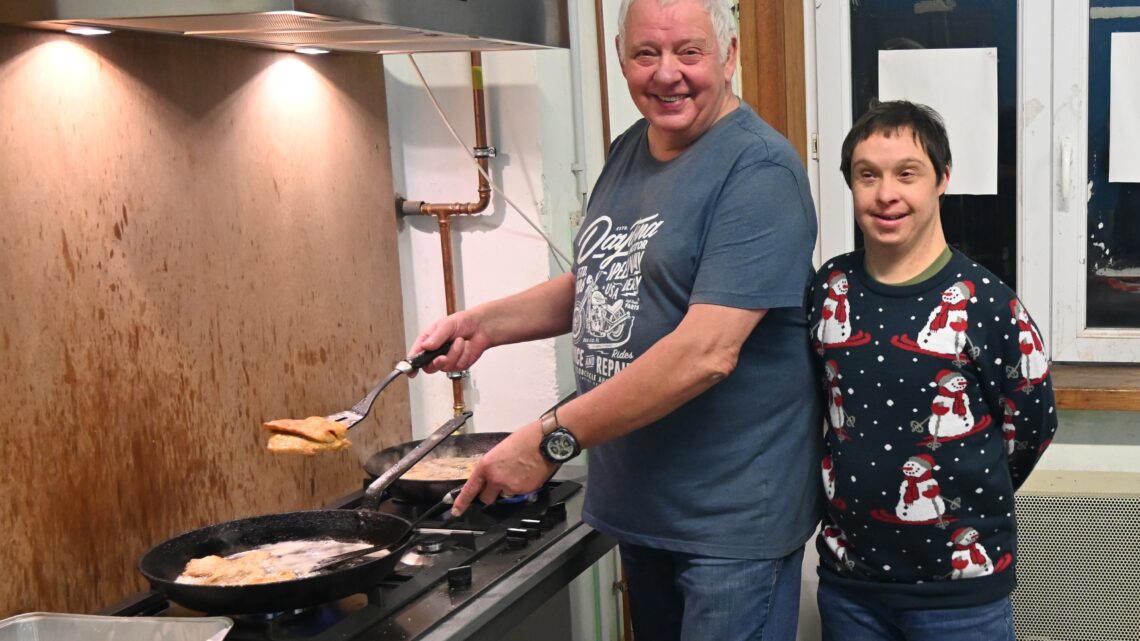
46, 626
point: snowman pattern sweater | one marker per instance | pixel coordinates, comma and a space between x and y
939, 405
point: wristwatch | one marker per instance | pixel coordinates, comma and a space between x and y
558, 444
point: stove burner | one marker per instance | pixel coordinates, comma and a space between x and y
431, 544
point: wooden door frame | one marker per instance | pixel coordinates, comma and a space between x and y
772, 66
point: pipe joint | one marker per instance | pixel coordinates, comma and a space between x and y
406, 207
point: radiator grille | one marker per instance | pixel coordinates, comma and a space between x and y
1078, 568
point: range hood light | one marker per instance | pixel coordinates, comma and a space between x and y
311, 51
338, 26
87, 31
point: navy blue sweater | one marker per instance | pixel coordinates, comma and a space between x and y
939, 405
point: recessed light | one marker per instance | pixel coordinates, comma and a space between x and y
311, 51
88, 31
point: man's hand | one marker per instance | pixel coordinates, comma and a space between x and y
514, 466
469, 341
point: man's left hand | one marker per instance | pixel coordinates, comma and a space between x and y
512, 467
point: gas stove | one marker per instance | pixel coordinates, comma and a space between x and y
473, 578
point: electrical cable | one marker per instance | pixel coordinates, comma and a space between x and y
563, 262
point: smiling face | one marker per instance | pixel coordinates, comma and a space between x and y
896, 190
910, 468
677, 75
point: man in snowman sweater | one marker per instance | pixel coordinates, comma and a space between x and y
930, 395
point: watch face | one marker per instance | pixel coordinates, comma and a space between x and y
561, 446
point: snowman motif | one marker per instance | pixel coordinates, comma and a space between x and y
828, 469
969, 558
920, 497
1008, 430
945, 330
836, 541
1033, 365
837, 417
835, 322
950, 416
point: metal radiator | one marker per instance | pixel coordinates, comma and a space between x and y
1079, 564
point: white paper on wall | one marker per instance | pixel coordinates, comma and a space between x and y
961, 85
1124, 109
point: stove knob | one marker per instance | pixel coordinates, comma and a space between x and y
459, 578
531, 524
517, 538
554, 514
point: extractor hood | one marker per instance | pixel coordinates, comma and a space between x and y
356, 26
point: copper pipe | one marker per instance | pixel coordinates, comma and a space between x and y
603, 82
444, 211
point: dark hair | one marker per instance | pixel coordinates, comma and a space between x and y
891, 116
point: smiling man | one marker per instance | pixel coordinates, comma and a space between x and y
691, 353
939, 423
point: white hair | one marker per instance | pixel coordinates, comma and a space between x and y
719, 12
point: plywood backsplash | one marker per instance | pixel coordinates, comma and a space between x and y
194, 237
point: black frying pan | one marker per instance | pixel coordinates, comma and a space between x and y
462, 445
162, 564
165, 562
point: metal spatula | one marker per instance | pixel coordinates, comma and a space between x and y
347, 557
359, 411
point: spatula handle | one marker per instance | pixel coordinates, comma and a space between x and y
427, 356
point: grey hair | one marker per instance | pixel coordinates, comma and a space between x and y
719, 12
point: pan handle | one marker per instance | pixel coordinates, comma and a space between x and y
376, 489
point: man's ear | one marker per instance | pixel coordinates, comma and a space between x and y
731, 58
945, 182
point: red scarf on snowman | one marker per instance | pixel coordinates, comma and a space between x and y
944, 309
959, 404
840, 305
1026, 328
976, 556
911, 493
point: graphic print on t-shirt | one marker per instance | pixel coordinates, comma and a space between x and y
606, 298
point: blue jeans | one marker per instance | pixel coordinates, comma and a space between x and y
844, 618
683, 597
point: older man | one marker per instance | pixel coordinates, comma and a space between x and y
685, 303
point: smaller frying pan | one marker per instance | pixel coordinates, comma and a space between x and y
462, 445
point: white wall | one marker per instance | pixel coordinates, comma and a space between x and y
496, 253
543, 143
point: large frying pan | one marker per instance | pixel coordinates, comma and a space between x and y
162, 564
462, 445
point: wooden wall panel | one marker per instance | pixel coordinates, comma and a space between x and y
772, 66
194, 237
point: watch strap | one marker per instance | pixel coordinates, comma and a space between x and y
549, 421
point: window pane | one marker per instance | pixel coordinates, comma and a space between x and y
1113, 253
984, 227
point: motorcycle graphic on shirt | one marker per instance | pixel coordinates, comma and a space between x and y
607, 293
605, 323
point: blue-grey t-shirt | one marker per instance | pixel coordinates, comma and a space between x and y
734, 472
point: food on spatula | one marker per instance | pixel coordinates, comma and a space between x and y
306, 436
